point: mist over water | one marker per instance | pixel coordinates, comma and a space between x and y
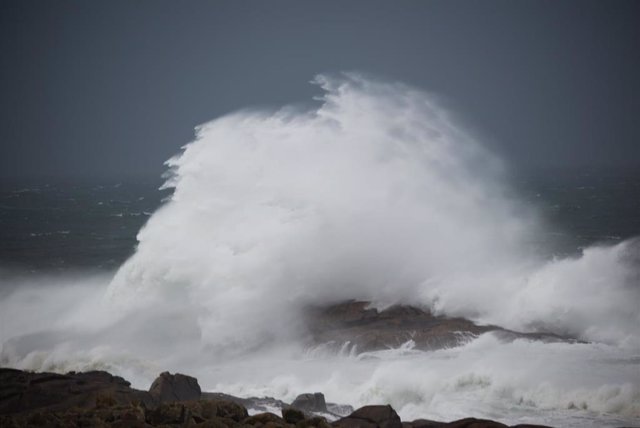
376, 194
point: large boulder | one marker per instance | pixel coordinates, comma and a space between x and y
177, 387
423, 423
310, 402
371, 417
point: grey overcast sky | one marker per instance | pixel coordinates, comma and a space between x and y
114, 88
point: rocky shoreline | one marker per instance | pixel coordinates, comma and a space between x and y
99, 399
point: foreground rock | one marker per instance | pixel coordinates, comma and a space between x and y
363, 328
49, 392
99, 399
371, 417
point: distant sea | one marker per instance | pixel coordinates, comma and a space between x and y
65, 225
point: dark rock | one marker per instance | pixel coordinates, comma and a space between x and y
377, 416
292, 415
314, 422
126, 424
531, 426
177, 387
353, 423
234, 411
367, 329
474, 423
217, 422
310, 402
48, 392
168, 413
99, 399
423, 423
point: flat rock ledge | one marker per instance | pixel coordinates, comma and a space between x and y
99, 399
357, 326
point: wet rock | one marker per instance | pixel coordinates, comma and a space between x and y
314, 422
217, 422
168, 413
357, 327
310, 402
474, 423
367, 329
177, 387
292, 415
99, 399
423, 423
368, 416
231, 410
353, 423
48, 392
532, 426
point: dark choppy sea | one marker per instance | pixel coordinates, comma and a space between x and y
65, 225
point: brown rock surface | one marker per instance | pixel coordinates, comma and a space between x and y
368, 329
423, 423
177, 387
24, 391
292, 415
310, 402
474, 423
367, 416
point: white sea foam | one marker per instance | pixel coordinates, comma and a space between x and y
376, 194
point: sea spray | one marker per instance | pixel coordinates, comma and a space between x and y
376, 194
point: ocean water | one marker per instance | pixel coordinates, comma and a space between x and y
72, 224
61, 225
377, 193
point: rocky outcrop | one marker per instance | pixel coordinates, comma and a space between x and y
99, 399
177, 387
363, 328
464, 423
310, 402
50, 392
